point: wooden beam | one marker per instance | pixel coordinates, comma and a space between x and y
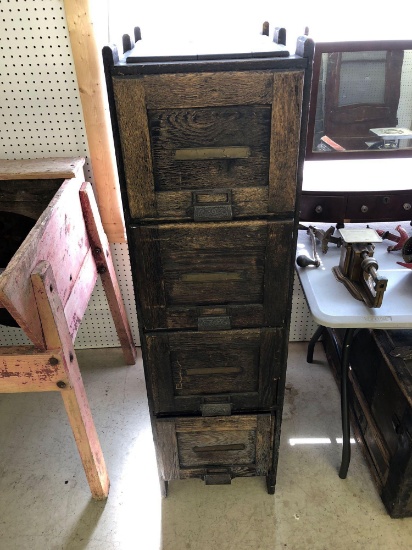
56, 333
105, 267
90, 77
41, 169
25, 369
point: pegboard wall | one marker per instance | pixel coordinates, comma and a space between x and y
41, 116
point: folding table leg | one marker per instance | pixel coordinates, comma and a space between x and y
56, 334
311, 346
344, 375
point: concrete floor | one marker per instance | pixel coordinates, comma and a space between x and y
45, 502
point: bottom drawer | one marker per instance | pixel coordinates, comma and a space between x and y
215, 449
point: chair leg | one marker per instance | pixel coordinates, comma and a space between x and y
57, 336
105, 267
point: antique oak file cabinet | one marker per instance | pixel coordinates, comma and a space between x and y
210, 154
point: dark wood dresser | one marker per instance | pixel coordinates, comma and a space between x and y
380, 384
210, 152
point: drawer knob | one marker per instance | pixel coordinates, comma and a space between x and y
364, 208
406, 206
319, 209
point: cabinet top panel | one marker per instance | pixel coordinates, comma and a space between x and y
257, 52
193, 50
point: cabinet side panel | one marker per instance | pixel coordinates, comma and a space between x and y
134, 134
285, 136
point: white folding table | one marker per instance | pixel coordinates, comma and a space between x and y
333, 306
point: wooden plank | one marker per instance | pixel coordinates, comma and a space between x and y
25, 369
134, 130
58, 237
90, 78
28, 197
276, 277
230, 252
159, 376
74, 395
174, 263
191, 147
47, 168
230, 125
246, 201
237, 423
147, 269
285, 135
105, 268
216, 447
214, 362
204, 174
167, 450
174, 91
78, 300
270, 365
263, 444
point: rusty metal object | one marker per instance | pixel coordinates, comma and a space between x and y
399, 240
358, 269
305, 261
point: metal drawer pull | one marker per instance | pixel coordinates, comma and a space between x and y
213, 370
211, 277
364, 208
216, 409
214, 448
219, 212
212, 205
206, 153
406, 206
215, 322
319, 209
218, 479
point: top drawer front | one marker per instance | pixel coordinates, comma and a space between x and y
233, 136
210, 148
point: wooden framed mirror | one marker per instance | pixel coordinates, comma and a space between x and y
361, 100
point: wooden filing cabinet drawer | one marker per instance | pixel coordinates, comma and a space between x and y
214, 372
215, 449
210, 146
384, 207
183, 269
355, 207
322, 208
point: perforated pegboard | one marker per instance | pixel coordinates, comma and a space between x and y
41, 116
302, 325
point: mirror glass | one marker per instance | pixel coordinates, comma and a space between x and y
361, 100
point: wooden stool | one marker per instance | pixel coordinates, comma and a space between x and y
46, 287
